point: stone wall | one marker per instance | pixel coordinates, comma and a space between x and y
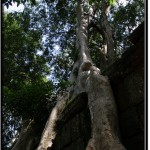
74, 128
127, 80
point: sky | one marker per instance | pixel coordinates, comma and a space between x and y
21, 6
14, 8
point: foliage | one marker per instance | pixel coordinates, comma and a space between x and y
10, 127
39, 45
31, 98
30, 102
125, 20
112, 2
7, 3
21, 62
25, 86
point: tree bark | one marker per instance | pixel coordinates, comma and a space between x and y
105, 130
100, 97
87, 78
108, 38
29, 136
49, 133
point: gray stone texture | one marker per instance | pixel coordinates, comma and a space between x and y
127, 80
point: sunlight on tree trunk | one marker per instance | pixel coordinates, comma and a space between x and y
88, 78
103, 114
25, 140
49, 133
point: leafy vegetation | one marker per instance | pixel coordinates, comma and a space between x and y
25, 87
7, 3
39, 51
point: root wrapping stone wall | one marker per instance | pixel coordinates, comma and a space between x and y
127, 80
74, 129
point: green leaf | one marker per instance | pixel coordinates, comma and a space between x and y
112, 2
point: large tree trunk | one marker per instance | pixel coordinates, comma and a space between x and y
103, 114
87, 78
100, 97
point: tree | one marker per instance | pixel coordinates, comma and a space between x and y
89, 79
85, 76
7, 3
24, 84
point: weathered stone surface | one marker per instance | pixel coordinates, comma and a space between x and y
66, 136
130, 123
137, 34
85, 125
134, 88
127, 80
77, 145
140, 111
74, 132
130, 91
134, 143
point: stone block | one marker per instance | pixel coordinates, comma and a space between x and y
140, 111
134, 88
129, 123
134, 143
66, 134
85, 125
75, 124
76, 145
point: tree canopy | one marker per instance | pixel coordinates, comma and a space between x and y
39, 52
